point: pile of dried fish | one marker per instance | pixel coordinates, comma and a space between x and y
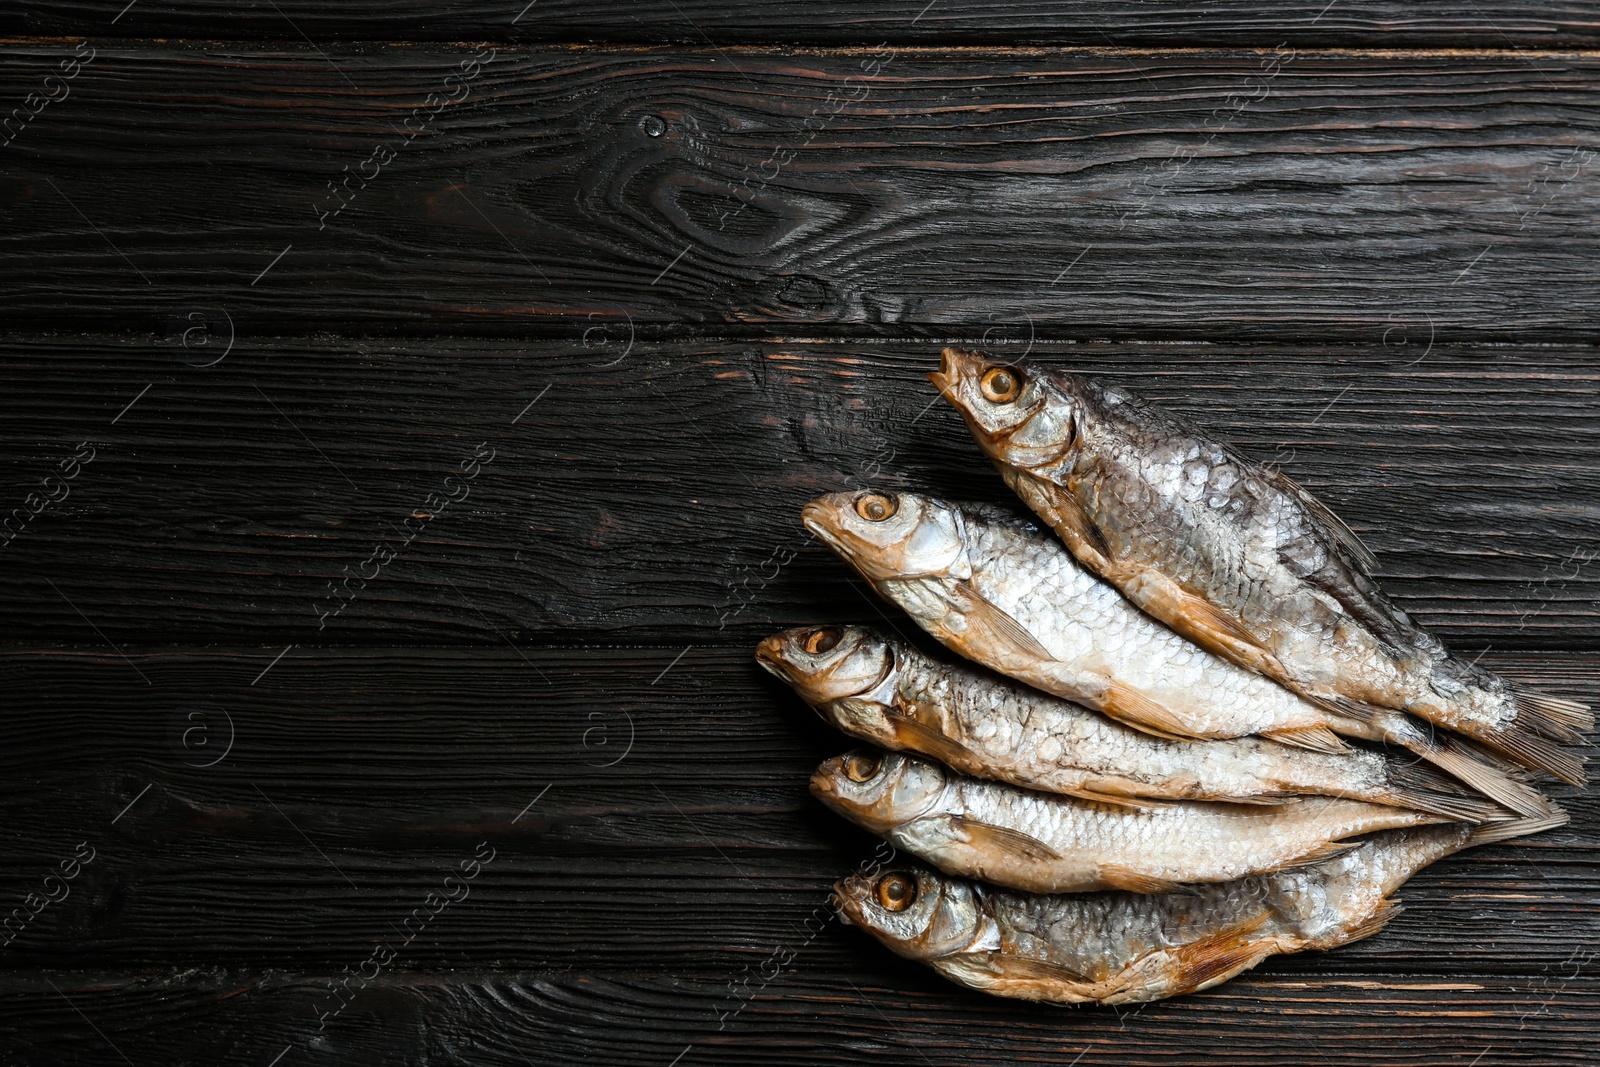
1148, 784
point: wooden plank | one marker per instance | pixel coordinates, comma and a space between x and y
646, 808
1221, 23
894, 1012
1210, 195
653, 490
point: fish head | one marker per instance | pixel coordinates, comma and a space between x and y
891, 535
826, 663
915, 911
878, 790
1020, 417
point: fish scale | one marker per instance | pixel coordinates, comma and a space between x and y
1238, 558
1045, 843
1123, 948
1081, 619
1004, 594
884, 691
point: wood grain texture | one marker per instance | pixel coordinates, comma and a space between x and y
1210, 195
647, 806
635, 302
653, 490
1507, 24
896, 1014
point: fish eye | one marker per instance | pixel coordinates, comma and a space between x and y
1000, 384
822, 640
897, 891
876, 507
860, 768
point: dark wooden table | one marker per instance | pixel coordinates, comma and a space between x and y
406, 411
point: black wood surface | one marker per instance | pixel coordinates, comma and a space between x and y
1077, 193
630, 300
1497, 24
298, 819
654, 489
511, 1019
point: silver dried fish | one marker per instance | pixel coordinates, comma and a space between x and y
886, 692
1236, 557
1120, 948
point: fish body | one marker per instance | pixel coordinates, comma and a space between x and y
888, 693
1235, 556
1119, 948
1005, 594
1044, 843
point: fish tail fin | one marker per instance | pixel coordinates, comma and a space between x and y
1552, 717
1523, 744
1490, 833
1492, 781
1421, 788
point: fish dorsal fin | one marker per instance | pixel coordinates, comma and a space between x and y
1315, 738
1133, 708
1125, 878
1013, 844
1350, 707
1263, 800
1328, 850
1359, 553
1115, 800
1001, 625
920, 737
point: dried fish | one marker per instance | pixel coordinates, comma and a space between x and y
1008, 596
1121, 948
1044, 843
886, 692
1236, 557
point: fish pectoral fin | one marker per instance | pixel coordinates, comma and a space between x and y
1000, 625
1004, 840
920, 737
1131, 707
1125, 878
1189, 613
1064, 512
1316, 738
1024, 969
1214, 959
1359, 553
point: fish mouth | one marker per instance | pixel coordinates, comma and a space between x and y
949, 375
951, 363
844, 904
814, 517
769, 654
960, 363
